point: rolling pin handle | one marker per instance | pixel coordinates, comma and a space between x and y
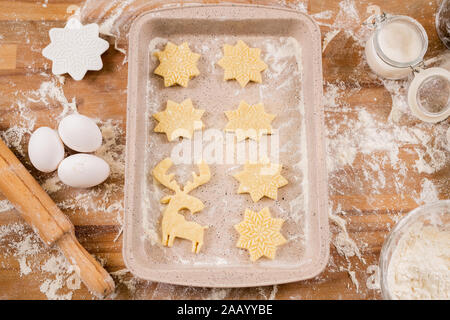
46, 219
96, 279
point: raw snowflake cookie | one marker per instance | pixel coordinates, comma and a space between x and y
179, 120
177, 65
242, 63
75, 49
249, 121
173, 223
261, 179
260, 234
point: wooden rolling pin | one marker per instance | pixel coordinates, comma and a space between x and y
53, 227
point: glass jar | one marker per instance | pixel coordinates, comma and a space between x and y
443, 22
397, 45
395, 50
436, 214
429, 94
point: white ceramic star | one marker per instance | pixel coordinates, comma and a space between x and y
75, 49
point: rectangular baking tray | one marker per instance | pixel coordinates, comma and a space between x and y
291, 89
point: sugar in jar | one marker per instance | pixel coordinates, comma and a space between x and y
397, 45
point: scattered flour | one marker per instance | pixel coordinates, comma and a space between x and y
13, 137
113, 147
109, 25
345, 246
354, 279
300, 6
5, 205
48, 93
324, 15
124, 277
273, 293
328, 37
52, 91
52, 184
23, 244
64, 275
348, 16
428, 194
397, 89
448, 139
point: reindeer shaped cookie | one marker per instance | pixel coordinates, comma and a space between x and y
173, 223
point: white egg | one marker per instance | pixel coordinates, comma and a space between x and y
45, 149
80, 133
83, 170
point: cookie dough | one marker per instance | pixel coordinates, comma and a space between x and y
261, 179
242, 63
260, 234
249, 121
174, 224
177, 65
179, 120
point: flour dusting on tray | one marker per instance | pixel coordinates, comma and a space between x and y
283, 57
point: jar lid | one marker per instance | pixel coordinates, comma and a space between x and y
429, 95
394, 41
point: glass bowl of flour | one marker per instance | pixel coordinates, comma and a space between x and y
415, 258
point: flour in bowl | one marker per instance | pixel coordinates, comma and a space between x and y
420, 265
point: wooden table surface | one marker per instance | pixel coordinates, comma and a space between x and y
369, 212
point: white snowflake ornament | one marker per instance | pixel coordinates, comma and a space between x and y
75, 49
